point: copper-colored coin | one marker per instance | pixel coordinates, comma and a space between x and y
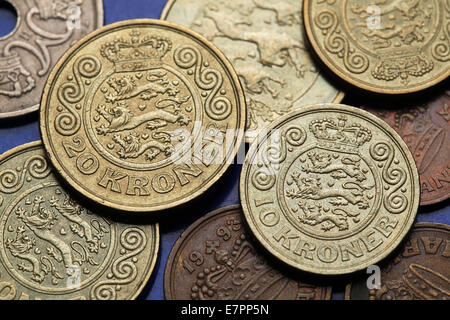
331, 189
52, 247
384, 46
426, 131
45, 30
142, 115
420, 271
215, 259
265, 41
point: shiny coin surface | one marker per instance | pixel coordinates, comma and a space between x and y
142, 115
45, 30
331, 189
388, 47
265, 41
54, 248
426, 131
214, 259
420, 271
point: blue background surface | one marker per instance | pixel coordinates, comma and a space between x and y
17, 131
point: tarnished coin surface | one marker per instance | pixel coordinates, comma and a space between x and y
52, 247
45, 30
215, 259
142, 115
388, 47
265, 41
426, 131
331, 189
420, 271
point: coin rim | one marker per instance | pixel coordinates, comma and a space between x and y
417, 225
156, 243
100, 18
339, 96
241, 112
330, 107
328, 62
184, 236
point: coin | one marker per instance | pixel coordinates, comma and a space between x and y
215, 259
45, 30
142, 115
426, 130
52, 247
265, 41
388, 47
420, 270
331, 189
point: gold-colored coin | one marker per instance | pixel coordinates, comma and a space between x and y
265, 41
54, 248
330, 189
389, 47
142, 115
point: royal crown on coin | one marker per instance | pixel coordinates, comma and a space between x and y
338, 135
136, 53
238, 274
55, 8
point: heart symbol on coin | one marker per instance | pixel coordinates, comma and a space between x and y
63, 231
142, 107
58, 191
188, 108
28, 202
37, 251
330, 184
96, 118
335, 156
145, 136
86, 271
139, 75
110, 146
10, 229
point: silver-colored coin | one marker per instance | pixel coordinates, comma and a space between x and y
45, 30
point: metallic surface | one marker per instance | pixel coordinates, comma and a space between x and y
265, 41
45, 30
420, 270
331, 189
426, 130
215, 259
136, 115
388, 47
52, 247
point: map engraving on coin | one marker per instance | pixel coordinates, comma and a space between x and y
52, 247
420, 271
426, 131
215, 259
330, 190
384, 46
142, 115
265, 42
45, 30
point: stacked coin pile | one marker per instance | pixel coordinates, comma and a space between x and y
143, 116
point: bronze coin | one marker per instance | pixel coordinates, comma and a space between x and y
53, 247
420, 270
215, 259
384, 46
426, 131
45, 30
